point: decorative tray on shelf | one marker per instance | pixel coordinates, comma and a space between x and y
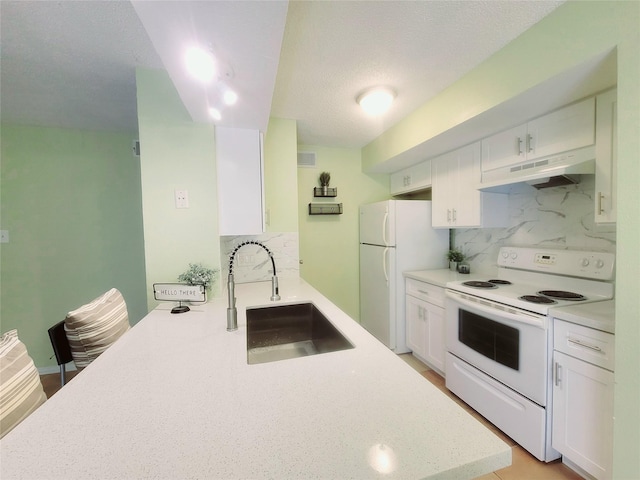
325, 209
330, 192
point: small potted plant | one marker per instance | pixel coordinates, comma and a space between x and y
198, 274
325, 178
455, 257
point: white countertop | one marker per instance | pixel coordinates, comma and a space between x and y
175, 398
440, 277
598, 315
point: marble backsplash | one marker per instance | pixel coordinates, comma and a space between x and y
284, 247
558, 217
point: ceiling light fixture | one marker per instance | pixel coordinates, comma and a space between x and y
230, 97
215, 114
377, 100
201, 64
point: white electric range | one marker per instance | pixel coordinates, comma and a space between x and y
499, 333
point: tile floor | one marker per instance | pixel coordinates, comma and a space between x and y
524, 465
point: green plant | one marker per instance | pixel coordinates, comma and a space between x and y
197, 274
455, 255
325, 177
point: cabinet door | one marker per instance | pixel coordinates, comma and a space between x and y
416, 326
398, 182
435, 341
239, 169
565, 129
504, 148
417, 177
443, 169
606, 157
466, 201
583, 414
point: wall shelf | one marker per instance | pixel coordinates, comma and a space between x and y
331, 192
325, 209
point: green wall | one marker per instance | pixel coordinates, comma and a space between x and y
280, 170
71, 203
329, 243
176, 153
573, 34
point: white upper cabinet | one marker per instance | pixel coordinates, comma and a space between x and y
606, 157
566, 129
240, 172
456, 201
411, 179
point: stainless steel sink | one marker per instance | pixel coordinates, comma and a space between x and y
290, 331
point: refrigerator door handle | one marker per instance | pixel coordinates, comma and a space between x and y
384, 265
384, 229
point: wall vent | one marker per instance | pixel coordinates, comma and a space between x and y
307, 159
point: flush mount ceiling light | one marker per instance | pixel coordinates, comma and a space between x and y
215, 113
230, 97
377, 100
200, 64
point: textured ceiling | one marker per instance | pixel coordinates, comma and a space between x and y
72, 64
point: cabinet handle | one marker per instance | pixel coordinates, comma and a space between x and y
454, 215
519, 146
575, 341
529, 143
556, 374
423, 292
600, 209
448, 215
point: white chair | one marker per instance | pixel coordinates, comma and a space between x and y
94, 327
21, 391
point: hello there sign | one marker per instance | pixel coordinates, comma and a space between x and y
179, 292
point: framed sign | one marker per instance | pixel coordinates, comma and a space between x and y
179, 292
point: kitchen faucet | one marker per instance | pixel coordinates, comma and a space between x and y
232, 311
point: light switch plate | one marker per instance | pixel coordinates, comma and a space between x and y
4, 236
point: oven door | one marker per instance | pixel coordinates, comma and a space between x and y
507, 344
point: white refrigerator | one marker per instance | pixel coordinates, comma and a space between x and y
395, 236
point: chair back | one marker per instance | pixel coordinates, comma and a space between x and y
21, 391
60, 344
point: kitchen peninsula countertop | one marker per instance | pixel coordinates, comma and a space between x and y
174, 398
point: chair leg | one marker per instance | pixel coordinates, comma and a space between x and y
63, 376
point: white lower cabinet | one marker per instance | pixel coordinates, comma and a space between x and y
425, 323
583, 398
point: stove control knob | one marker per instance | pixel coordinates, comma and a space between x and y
505, 254
514, 255
585, 262
599, 263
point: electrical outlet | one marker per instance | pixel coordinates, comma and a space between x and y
4, 236
182, 198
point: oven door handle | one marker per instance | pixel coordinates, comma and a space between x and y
493, 308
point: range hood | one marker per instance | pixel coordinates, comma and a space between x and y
562, 169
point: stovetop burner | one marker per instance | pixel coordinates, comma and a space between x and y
499, 282
537, 299
562, 295
479, 284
